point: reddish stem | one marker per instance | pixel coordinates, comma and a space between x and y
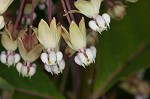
65, 10
49, 3
22, 2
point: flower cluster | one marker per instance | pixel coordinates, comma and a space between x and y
44, 41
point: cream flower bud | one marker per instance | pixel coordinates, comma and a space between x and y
4, 5
2, 22
118, 11
133, 1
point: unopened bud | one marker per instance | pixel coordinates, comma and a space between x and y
118, 11
133, 1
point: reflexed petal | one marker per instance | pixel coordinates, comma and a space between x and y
4, 5
24, 71
66, 37
19, 66
10, 60
96, 5
44, 58
93, 25
106, 18
85, 8
17, 58
76, 36
83, 29
34, 53
76, 59
59, 56
8, 43
52, 57
45, 35
3, 58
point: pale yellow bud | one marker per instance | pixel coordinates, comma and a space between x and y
2, 22
118, 11
4, 4
133, 1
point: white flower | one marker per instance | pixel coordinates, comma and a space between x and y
9, 58
49, 37
26, 69
77, 41
100, 23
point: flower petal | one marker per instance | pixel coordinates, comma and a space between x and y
8, 43
96, 5
76, 36
34, 53
44, 58
106, 18
45, 35
85, 8
93, 25
4, 5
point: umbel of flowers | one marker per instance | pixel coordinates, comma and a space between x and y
76, 39
49, 37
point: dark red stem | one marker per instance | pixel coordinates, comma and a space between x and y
49, 4
22, 2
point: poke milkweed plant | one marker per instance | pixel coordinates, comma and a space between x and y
65, 45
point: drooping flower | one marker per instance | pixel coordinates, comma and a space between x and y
91, 9
29, 50
77, 41
49, 37
9, 42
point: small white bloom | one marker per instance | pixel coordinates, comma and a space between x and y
9, 58
49, 37
53, 61
100, 23
76, 39
26, 69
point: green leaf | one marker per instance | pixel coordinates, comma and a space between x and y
39, 85
124, 48
5, 85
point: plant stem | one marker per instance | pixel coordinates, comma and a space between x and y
69, 8
22, 2
65, 10
49, 4
31, 17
